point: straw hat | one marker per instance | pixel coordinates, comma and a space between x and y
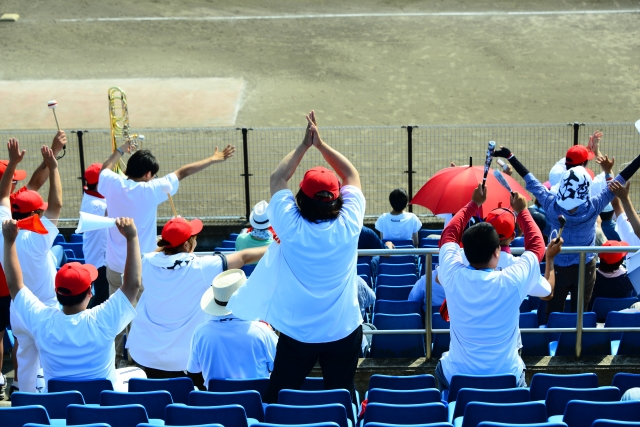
215, 299
258, 216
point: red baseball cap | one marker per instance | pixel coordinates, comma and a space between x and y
504, 221
320, 179
75, 278
179, 230
92, 173
27, 201
578, 154
613, 257
18, 175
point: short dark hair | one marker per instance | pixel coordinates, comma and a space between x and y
141, 162
609, 268
569, 165
92, 187
314, 210
71, 300
480, 242
398, 199
606, 216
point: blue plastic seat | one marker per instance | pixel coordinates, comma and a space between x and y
402, 382
429, 243
322, 424
90, 389
248, 269
396, 307
227, 415
602, 306
83, 425
400, 259
179, 388
541, 383
397, 345
579, 413
154, 402
167, 425
396, 280
625, 381
593, 344
233, 236
568, 320
18, 416
366, 278
516, 413
250, 400
221, 385
494, 424
483, 382
393, 293
76, 238
69, 254
403, 397
558, 397
313, 384
55, 403
440, 341
533, 344
365, 260
288, 414
412, 425
623, 343
395, 269
364, 269
75, 247
613, 423
228, 244
59, 239
321, 397
518, 242
115, 416
467, 395
405, 414
422, 234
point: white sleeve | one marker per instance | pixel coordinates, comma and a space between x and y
211, 266
450, 264
40, 244
31, 309
524, 274
541, 288
160, 185
625, 230
417, 224
283, 213
193, 364
556, 171
379, 223
353, 208
114, 314
598, 184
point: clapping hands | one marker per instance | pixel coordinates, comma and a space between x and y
312, 137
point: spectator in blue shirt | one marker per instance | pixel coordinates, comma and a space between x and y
608, 225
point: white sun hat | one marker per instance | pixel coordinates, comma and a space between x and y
215, 299
258, 216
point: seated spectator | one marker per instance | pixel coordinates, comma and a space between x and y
608, 225
369, 240
259, 234
225, 346
611, 276
419, 291
484, 302
169, 309
75, 342
398, 224
366, 299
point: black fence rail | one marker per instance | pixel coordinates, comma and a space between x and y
387, 157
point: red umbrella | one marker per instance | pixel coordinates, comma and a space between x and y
450, 189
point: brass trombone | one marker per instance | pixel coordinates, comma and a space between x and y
119, 125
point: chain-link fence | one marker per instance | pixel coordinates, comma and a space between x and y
386, 157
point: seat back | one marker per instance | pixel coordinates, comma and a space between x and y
322, 424
154, 402
313, 383
629, 341
400, 242
402, 382
624, 381
422, 234
405, 414
429, 243
115, 416
250, 400
515, 413
403, 397
90, 389
613, 423
179, 388
227, 415
76, 238
484, 382
397, 307
75, 247
541, 383
440, 341
288, 414
507, 395
321, 397
396, 280
409, 268
580, 413
397, 345
55, 403
593, 344
225, 385
518, 242
400, 259
393, 293
533, 344
366, 278
364, 269
558, 397
547, 424
19, 416
569, 320
602, 306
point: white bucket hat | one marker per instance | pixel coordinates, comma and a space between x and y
575, 185
258, 216
215, 299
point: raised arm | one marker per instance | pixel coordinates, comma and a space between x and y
245, 256
549, 269
40, 175
132, 277
196, 167
55, 186
453, 232
113, 159
533, 240
288, 165
15, 157
622, 192
10, 263
532, 184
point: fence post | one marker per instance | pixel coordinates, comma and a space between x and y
580, 305
576, 131
427, 318
246, 174
80, 135
410, 170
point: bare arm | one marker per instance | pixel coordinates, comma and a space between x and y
10, 262
549, 270
55, 186
40, 175
245, 256
196, 167
15, 157
623, 194
132, 277
113, 159
287, 167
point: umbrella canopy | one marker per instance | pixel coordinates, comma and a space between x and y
450, 189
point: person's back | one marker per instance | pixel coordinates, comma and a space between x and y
398, 224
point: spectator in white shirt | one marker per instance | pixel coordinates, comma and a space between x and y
225, 346
75, 342
169, 309
94, 243
34, 250
137, 196
398, 224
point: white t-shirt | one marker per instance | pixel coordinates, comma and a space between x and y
137, 200
484, 310
625, 230
306, 286
227, 347
169, 308
78, 346
94, 243
398, 227
36, 260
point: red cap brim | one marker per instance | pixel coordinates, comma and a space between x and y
196, 226
591, 155
19, 175
93, 272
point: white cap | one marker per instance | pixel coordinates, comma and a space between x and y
575, 185
258, 217
215, 299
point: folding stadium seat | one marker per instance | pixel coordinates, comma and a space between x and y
567, 320
397, 345
288, 414
154, 402
625, 381
412, 425
75, 247
429, 243
393, 293
440, 341
166, 425
250, 400
422, 234
233, 236
405, 414
558, 397
323, 397
593, 344
323, 424
514, 413
402, 382
179, 388
403, 397
248, 269
483, 382
524, 306
493, 424
397, 307
59, 239
579, 413
613, 423
396, 269
534, 302
18, 416
541, 383
55, 403
69, 254
623, 343
313, 384
400, 242
228, 244
602, 306
533, 344
467, 395
226, 385
366, 278
90, 389
518, 242
115, 416
400, 259
227, 415
364, 269
364, 260
88, 425
76, 238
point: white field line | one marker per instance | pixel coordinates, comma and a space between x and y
352, 15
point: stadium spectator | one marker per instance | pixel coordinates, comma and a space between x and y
137, 196
627, 219
607, 224
419, 291
74, 342
225, 346
258, 234
484, 302
611, 276
366, 299
369, 240
306, 286
169, 309
94, 243
34, 252
398, 224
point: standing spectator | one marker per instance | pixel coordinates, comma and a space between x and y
306, 286
94, 243
611, 276
398, 224
608, 225
258, 234
627, 219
